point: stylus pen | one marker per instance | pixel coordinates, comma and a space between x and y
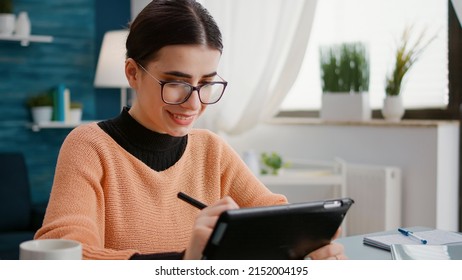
413, 235
191, 201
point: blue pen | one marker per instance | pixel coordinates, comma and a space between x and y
413, 235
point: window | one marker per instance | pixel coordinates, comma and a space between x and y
379, 24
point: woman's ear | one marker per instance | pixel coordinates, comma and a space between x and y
131, 72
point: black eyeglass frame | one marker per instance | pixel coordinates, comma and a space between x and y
191, 88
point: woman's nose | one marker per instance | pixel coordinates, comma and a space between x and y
193, 101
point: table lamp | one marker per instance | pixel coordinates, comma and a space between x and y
110, 70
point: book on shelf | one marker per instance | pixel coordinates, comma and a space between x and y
432, 237
62, 103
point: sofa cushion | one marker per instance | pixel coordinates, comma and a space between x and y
15, 201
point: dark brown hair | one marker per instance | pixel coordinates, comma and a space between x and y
171, 22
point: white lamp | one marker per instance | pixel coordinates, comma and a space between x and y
110, 71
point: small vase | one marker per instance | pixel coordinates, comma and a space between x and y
393, 109
22, 27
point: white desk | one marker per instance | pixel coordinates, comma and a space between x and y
356, 250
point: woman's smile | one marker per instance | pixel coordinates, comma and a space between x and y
182, 119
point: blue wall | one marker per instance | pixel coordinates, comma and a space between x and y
77, 27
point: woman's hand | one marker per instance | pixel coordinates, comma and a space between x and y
332, 251
204, 225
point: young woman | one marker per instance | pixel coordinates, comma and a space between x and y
116, 181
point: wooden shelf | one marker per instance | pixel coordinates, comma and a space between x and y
55, 125
25, 40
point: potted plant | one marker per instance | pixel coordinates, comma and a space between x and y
41, 107
7, 17
76, 112
406, 55
345, 82
271, 163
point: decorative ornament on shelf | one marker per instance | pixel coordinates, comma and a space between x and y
345, 82
23, 26
406, 56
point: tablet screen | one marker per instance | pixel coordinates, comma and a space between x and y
288, 231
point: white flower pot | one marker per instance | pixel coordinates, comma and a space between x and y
42, 114
393, 109
345, 107
75, 115
7, 24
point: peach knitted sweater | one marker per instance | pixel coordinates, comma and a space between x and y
116, 206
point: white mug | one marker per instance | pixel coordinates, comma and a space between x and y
50, 249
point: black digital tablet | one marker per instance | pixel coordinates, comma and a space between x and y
279, 232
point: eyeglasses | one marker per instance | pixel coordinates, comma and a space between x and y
177, 92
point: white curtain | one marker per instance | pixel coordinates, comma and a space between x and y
264, 46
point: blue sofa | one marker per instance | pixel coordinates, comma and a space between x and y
19, 219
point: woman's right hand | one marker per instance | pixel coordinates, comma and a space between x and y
203, 227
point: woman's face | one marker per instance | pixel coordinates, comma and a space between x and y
192, 64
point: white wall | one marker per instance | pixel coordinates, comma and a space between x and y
426, 152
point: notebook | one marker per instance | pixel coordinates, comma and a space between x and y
433, 237
279, 232
426, 252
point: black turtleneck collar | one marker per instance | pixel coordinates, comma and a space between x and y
159, 151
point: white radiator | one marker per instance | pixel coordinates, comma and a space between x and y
376, 191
